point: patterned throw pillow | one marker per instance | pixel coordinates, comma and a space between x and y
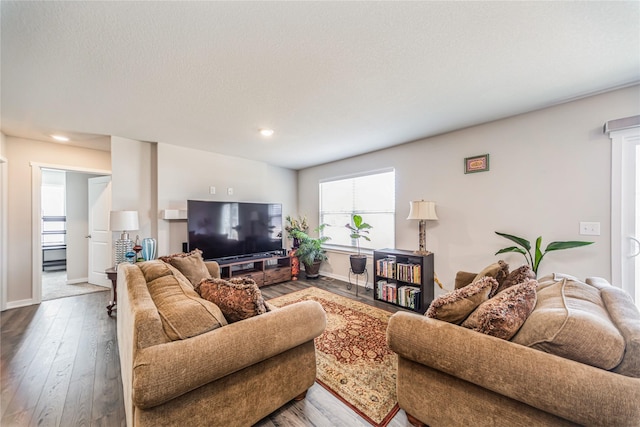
455, 306
517, 276
238, 298
503, 315
498, 270
190, 264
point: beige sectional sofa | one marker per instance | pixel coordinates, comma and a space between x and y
182, 364
449, 375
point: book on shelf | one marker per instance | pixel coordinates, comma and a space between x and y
386, 267
410, 273
409, 296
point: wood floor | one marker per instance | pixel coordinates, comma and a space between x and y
60, 366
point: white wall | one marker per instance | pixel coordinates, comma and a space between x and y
549, 170
77, 227
20, 153
133, 184
186, 174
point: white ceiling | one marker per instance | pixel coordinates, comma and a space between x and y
334, 79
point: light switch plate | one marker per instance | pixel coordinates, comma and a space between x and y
590, 228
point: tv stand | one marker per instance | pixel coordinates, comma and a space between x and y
265, 269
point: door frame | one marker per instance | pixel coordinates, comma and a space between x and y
621, 175
36, 223
4, 240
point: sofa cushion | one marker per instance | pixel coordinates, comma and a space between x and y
190, 264
455, 306
238, 298
154, 269
502, 315
571, 321
183, 313
517, 276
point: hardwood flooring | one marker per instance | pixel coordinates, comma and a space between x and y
60, 366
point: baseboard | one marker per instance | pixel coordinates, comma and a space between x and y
76, 281
20, 303
361, 283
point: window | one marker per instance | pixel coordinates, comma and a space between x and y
53, 207
372, 196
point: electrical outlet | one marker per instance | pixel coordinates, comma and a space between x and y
212, 190
590, 228
230, 191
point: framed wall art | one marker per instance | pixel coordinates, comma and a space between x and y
476, 164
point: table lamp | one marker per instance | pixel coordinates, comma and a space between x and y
123, 221
423, 211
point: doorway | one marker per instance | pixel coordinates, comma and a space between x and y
60, 236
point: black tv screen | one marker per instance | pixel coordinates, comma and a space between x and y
233, 229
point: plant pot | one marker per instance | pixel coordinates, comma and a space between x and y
358, 263
311, 271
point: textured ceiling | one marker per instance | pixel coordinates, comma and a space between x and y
334, 79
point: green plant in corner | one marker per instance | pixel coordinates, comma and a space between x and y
310, 250
525, 248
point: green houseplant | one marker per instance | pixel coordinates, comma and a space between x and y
296, 224
310, 251
358, 230
525, 248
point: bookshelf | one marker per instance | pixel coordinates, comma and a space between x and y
403, 278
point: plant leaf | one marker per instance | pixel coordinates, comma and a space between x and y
539, 255
557, 246
357, 221
511, 249
519, 240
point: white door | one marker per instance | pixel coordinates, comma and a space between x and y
100, 253
625, 208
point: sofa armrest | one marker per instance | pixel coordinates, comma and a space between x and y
166, 371
214, 269
563, 387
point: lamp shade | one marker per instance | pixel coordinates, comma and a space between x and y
420, 209
123, 220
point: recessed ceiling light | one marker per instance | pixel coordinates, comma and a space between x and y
60, 138
266, 132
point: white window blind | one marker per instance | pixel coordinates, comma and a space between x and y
371, 196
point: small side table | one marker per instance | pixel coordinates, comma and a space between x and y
112, 274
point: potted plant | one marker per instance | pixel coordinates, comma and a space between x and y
358, 229
525, 248
293, 225
310, 251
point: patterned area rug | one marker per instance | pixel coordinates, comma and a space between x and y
354, 362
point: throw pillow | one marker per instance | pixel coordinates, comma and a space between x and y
455, 306
517, 276
190, 264
498, 270
571, 320
238, 298
182, 312
503, 315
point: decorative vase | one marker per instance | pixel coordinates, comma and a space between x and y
295, 265
149, 247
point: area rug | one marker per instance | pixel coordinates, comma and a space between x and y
353, 360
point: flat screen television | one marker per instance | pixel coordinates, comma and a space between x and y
229, 230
